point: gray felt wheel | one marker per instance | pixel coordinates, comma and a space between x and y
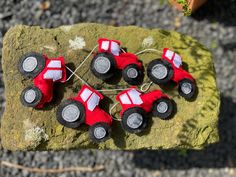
31, 96
31, 64
71, 113
132, 74
187, 88
103, 66
134, 120
163, 108
99, 132
160, 71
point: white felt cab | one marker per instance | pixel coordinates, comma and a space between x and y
174, 57
54, 70
111, 46
91, 98
131, 97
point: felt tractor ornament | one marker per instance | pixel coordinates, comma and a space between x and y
161, 71
136, 105
44, 72
110, 58
84, 109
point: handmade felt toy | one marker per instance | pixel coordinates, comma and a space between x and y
84, 109
110, 57
136, 105
161, 71
44, 72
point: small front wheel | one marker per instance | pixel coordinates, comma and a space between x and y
132, 74
187, 88
163, 108
134, 120
99, 132
31, 96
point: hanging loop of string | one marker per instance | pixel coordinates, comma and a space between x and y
146, 86
110, 112
74, 72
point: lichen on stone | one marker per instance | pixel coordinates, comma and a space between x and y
148, 41
34, 136
77, 43
66, 28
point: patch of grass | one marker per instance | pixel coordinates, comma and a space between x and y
185, 6
183, 152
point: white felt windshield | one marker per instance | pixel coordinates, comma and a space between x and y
85, 94
105, 45
93, 101
53, 74
54, 64
177, 61
135, 96
125, 99
169, 54
115, 48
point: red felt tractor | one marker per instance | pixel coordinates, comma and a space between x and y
44, 72
84, 109
110, 58
161, 71
136, 106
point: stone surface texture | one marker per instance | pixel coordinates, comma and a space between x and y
193, 126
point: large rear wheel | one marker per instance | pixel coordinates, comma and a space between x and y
71, 113
103, 66
134, 120
31, 64
160, 71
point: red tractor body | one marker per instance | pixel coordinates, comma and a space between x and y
176, 62
54, 71
122, 59
90, 98
169, 68
110, 58
133, 98
44, 72
84, 108
136, 106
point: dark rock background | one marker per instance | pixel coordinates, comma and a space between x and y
214, 25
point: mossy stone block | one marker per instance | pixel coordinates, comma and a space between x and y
193, 126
